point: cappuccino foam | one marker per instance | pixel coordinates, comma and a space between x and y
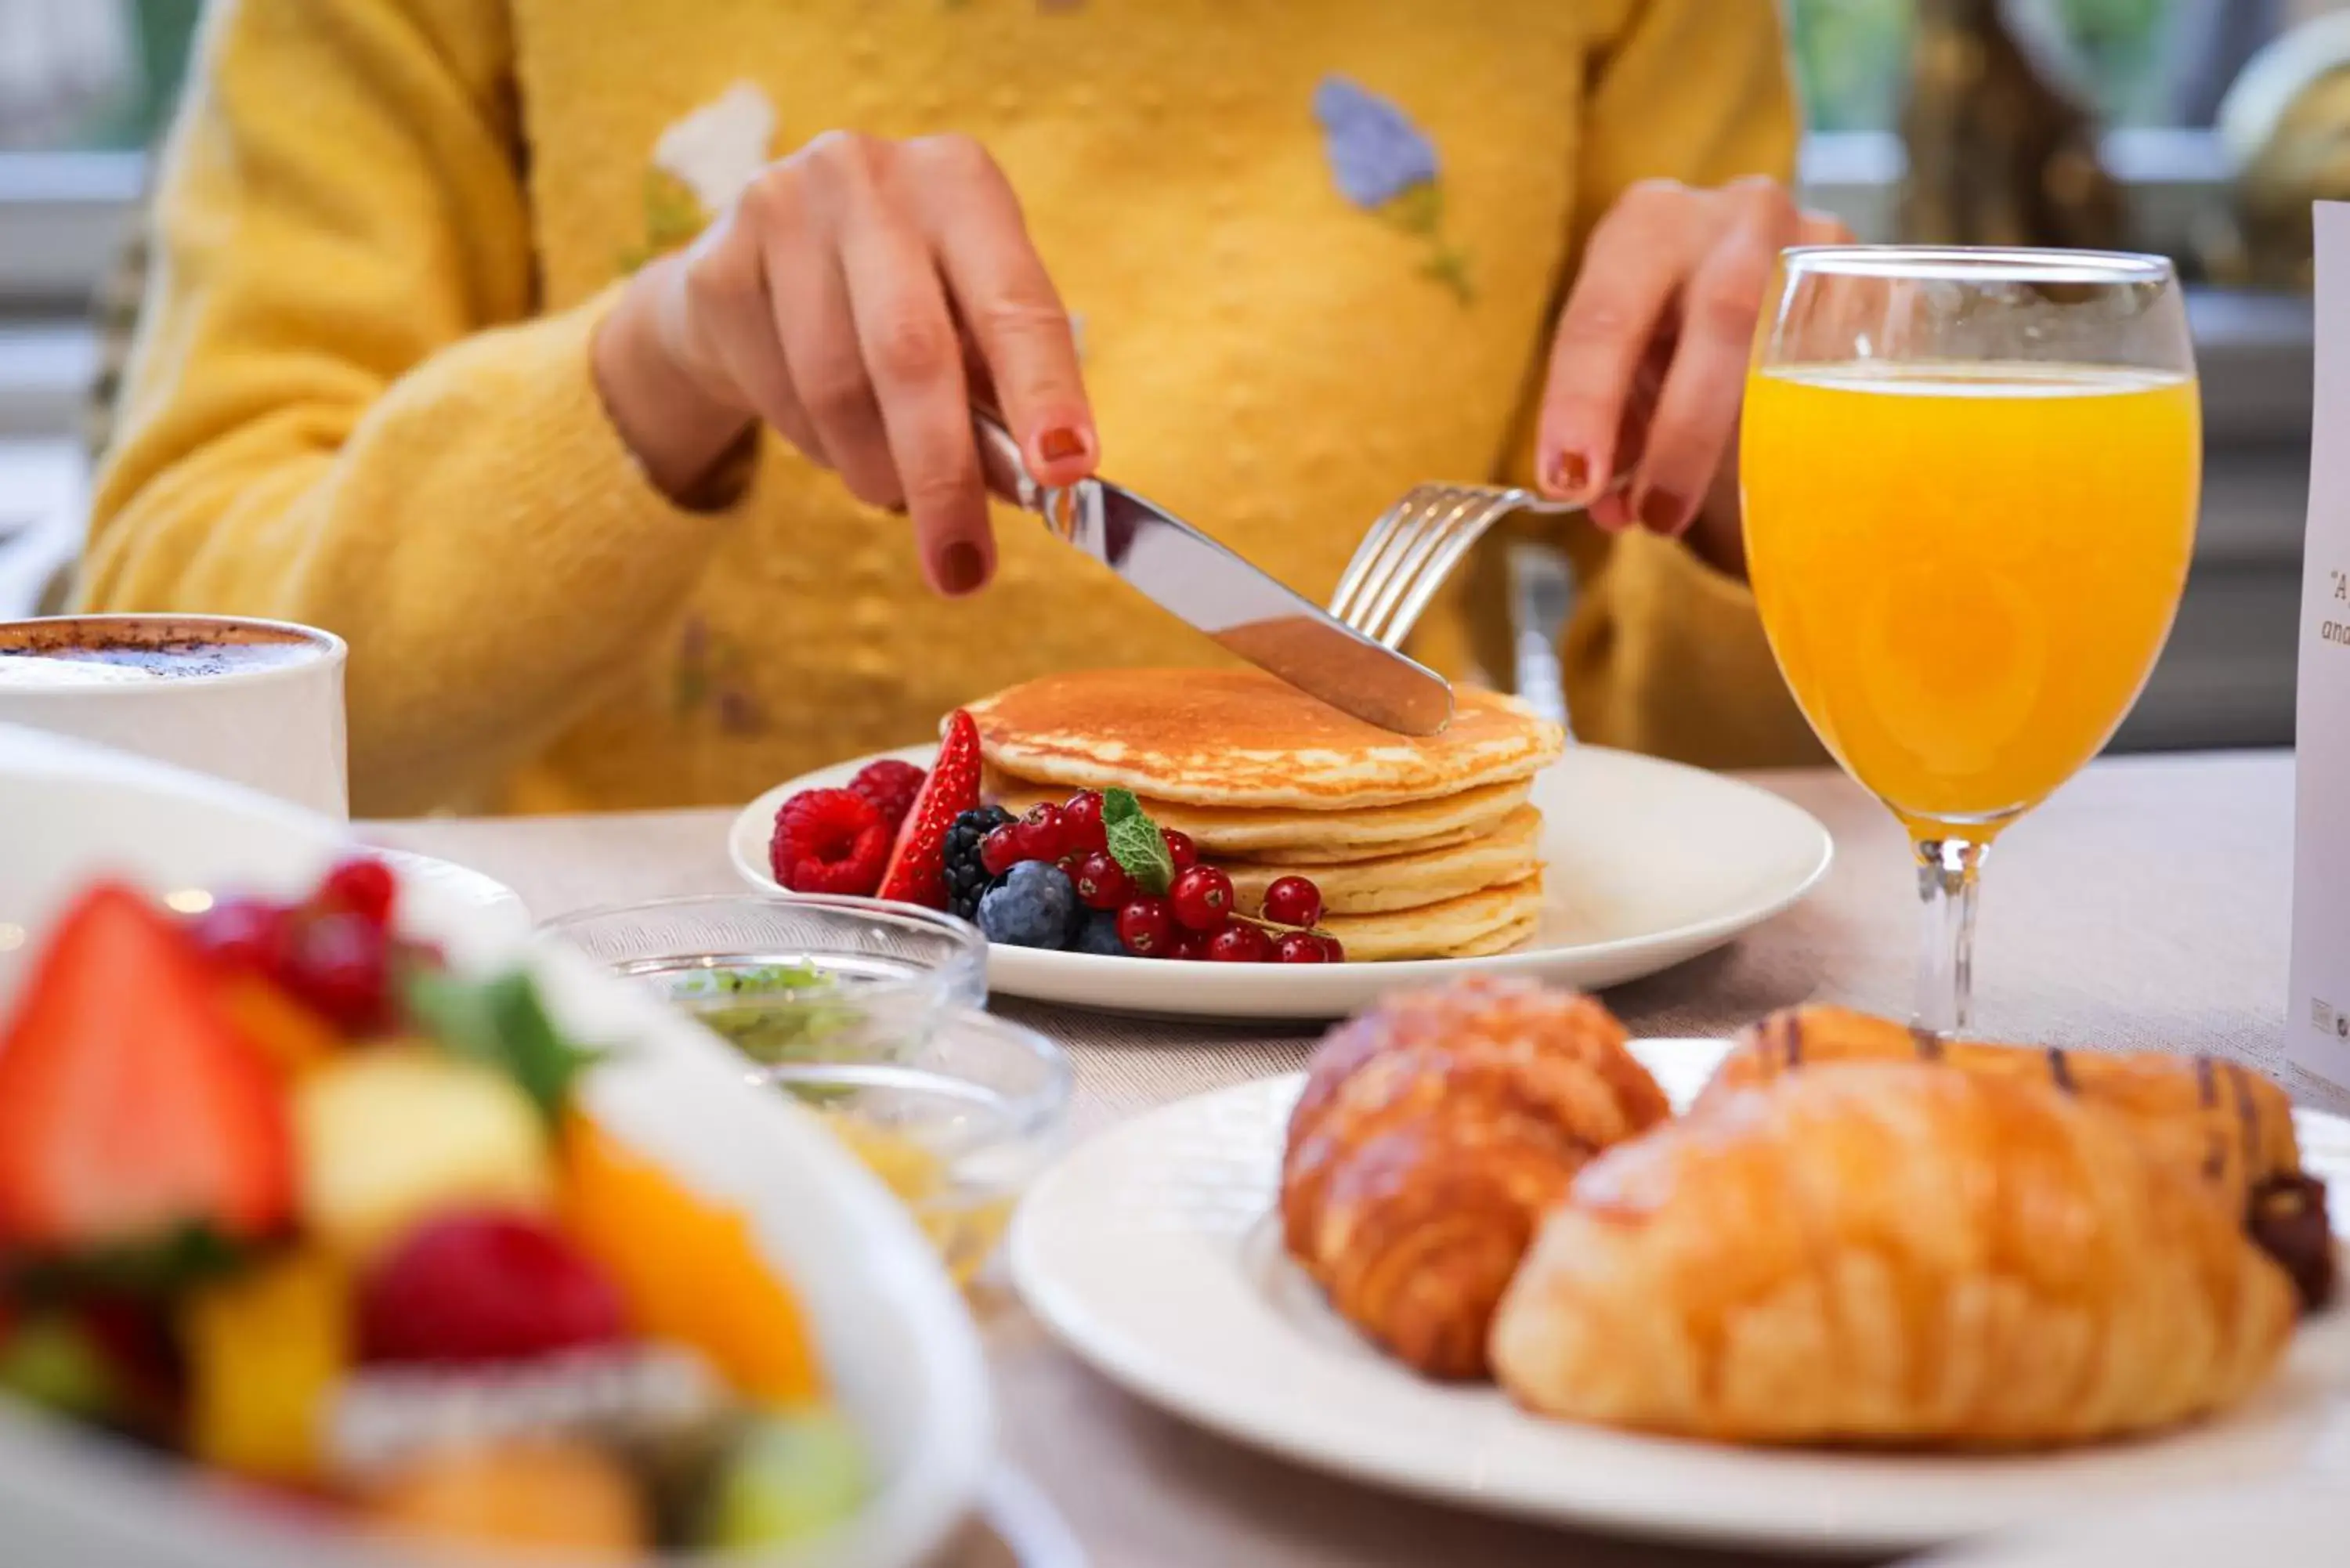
80, 652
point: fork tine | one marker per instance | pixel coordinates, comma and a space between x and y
1406, 564
1438, 565
1358, 569
1377, 558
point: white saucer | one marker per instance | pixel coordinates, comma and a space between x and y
1646, 864
1154, 1251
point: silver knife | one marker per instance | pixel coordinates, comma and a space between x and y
1182, 570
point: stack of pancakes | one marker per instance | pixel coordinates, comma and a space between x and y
1423, 848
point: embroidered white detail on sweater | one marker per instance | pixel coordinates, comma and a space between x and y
717, 149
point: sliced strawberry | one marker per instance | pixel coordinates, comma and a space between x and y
130, 1107
917, 872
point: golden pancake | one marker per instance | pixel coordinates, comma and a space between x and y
1406, 881
1243, 738
1492, 920
1284, 834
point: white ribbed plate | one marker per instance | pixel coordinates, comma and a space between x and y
1646, 864
1154, 1251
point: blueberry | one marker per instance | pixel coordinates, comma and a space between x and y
1032, 908
1097, 934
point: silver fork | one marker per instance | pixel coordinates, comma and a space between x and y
1414, 546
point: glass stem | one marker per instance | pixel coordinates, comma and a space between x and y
1948, 870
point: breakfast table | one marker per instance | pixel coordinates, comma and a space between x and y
2145, 906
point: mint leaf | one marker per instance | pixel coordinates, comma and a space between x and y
1120, 805
500, 1023
1135, 844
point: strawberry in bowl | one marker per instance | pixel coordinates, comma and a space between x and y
288, 1197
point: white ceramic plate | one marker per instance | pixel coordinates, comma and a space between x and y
1155, 1252
459, 884
897, 1344
2297, 1524
1644, 864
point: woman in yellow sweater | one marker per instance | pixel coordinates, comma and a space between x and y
573, 358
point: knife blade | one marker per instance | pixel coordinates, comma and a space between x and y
1206, 585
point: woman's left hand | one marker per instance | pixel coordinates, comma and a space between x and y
1648, 367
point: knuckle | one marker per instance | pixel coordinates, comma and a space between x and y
1596, 323
1019, 318
913, 346
842, 157
1764, 204
721, 272
836, 394
954, 153
1655, 190
939, 489
1726, 305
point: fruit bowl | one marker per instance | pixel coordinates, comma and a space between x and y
896, 1351
783, 977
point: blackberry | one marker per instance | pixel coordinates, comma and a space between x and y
967, 879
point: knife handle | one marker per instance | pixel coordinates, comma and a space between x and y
1000, 462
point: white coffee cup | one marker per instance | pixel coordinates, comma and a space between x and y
259, 703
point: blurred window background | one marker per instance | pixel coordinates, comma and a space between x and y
88, 85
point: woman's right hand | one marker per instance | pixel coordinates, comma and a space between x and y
854, 296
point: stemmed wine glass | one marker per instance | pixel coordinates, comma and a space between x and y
1971, 479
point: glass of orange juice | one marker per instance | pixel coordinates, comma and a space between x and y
1970, 478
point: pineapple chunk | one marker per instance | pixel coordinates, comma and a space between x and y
266, 1351
391, 1136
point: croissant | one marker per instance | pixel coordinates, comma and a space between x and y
1433, 1133
2228, 1125
1890, 1254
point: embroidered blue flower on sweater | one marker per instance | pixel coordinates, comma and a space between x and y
1386, 165
1376, 154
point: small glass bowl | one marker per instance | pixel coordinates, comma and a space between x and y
956, 1125
790, 978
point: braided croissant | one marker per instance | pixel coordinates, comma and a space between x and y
1890, 1253
2228, 1125
1433, 1133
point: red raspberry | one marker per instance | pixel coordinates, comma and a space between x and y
892, 785
248, 934
341, 964
473, 1287
1181, 849
362, 886
829, 841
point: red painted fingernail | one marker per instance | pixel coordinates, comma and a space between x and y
1570, 473
1661, 511
1059, 444
962, 568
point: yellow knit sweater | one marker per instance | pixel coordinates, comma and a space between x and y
361, 395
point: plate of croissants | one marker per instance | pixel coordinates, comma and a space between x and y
1836, 1284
